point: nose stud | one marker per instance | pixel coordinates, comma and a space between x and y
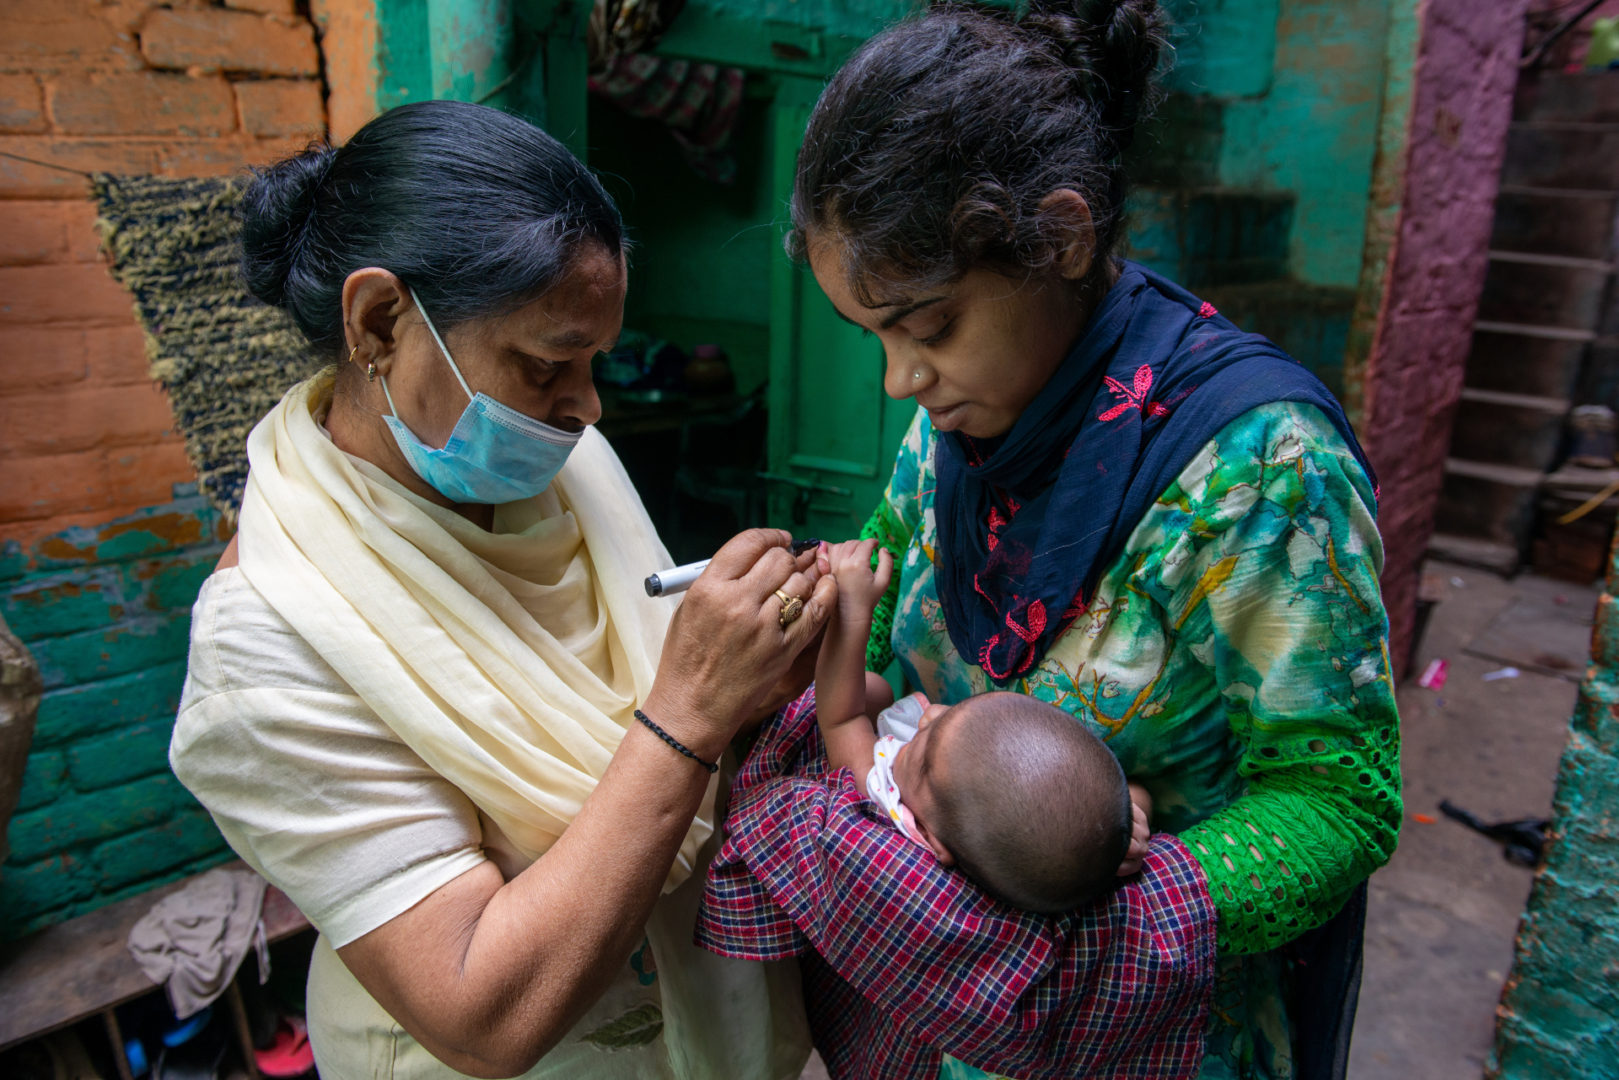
915, 375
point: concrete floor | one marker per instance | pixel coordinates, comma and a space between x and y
1444, 912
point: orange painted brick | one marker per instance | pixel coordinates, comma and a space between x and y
22, 180
80, 294
265, 7
79, 223
225, 156
60, 35
40, 230
141, 103
218, 39
83, 417
22, 105
32, 231
116, 355
36, 358
96, 480
348, 49
282, 107
219, 156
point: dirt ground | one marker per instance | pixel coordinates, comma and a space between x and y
1444, 912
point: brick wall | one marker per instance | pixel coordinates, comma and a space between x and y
1427, 282
103, 540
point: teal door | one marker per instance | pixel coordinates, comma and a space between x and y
833, 432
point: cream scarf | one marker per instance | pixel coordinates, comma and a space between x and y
510, 661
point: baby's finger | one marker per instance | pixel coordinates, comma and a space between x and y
885, 568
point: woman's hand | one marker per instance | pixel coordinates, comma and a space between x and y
787, 689
1140, 830
726, 648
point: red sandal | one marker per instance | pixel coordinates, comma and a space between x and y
290, 1054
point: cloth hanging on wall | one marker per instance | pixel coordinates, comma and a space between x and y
223, 357
698, 103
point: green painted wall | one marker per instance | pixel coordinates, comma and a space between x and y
700, 266
1559, 1013
106, 613
1314, 131
1280, 97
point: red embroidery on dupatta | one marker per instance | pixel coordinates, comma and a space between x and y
1135, 397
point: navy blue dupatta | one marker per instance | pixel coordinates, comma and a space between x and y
1027, 523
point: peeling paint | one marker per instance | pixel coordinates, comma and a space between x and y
1559, 1012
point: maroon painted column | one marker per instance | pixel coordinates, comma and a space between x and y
1411, 380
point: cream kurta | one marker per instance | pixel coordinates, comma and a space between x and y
383, 696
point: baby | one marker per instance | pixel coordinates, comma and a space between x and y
1013, 791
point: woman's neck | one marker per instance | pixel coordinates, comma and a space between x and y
354, 419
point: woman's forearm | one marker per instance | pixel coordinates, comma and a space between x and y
1282, 859
489, 976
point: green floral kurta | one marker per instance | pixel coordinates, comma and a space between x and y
1234, 658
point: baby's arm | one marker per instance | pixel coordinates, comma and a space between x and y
840, 670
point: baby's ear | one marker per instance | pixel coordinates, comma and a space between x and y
935, 845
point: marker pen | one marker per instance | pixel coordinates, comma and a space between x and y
679, 578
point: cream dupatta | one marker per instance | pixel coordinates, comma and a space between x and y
510, 661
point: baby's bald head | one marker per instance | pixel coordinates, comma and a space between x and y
1033, 807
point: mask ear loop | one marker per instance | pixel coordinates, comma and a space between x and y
431, 329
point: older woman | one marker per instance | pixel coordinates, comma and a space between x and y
427, 696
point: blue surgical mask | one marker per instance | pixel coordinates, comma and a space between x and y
495, 454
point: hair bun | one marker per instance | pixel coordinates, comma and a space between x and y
277, 208
1113, 45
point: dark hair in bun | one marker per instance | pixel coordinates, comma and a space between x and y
930, 151
476, 210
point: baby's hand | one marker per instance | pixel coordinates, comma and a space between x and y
1140, 830
859, 586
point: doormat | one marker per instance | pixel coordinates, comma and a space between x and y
224, 357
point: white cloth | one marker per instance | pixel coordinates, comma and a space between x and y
883, 788
194, 939
896, 726
383, 696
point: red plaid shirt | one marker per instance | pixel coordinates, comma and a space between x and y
905, 960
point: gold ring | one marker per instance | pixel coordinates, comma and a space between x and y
791, 608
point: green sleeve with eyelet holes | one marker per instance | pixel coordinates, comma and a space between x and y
890, 532
1286, 613
893, 523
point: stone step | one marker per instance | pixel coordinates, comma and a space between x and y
1541, 360
1588, 96
1508, 429
1555, 221
1562, 154
1202, 236
1309, 322
1486, 501
1546, 290
1471, 551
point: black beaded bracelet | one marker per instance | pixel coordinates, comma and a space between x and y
679, 746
